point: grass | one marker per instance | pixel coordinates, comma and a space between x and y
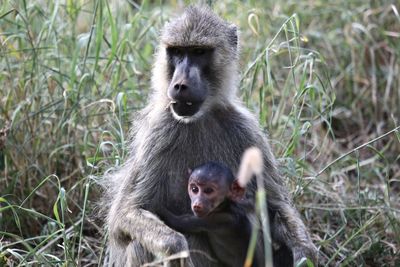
323, 77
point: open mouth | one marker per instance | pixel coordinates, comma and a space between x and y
185, 108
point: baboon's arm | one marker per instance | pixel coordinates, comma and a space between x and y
146, 228
290, 229
287, 226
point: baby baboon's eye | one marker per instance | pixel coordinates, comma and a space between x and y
194, 189
208, 190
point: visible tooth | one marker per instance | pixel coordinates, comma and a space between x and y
189, 103
170, 103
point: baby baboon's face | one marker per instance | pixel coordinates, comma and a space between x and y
206, 195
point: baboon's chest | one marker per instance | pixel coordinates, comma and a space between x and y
196, 151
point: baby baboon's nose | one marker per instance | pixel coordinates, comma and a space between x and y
197, 208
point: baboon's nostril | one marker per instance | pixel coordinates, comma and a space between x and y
180, 86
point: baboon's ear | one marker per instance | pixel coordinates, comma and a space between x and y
233, 35
190, 171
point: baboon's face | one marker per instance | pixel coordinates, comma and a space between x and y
189, 75
196, 63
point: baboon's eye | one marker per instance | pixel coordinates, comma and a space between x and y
199, 51
174, 51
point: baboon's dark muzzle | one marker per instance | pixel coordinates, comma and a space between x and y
187, 89
186, 109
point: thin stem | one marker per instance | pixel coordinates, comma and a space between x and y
355, 149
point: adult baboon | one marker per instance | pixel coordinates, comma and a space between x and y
193, 116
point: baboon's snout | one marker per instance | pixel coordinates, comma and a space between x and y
186, 91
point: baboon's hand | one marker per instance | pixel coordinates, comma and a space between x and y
174, 243
168, 243
309, 252
147, 229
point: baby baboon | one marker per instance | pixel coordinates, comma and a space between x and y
193, 116
216, 203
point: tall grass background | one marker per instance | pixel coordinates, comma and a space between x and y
322, 76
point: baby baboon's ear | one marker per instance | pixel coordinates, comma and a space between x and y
236, 191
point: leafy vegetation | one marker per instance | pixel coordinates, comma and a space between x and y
323, 77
